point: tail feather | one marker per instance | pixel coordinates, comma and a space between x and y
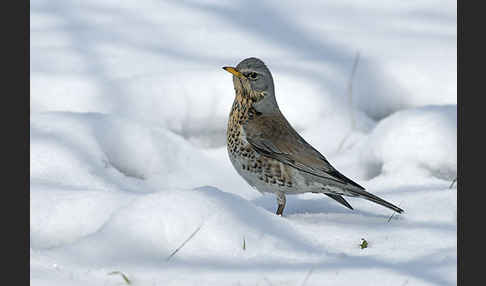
340, 200
352, 189
370, 197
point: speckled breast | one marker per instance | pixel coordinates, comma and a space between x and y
265, 174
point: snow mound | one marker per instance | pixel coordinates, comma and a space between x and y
61, 215
225, 226
97, 151
416, 140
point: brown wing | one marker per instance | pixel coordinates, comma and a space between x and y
272, 136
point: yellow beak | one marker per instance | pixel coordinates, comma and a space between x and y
234, 71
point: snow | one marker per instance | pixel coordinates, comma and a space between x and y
414, 144
128, 115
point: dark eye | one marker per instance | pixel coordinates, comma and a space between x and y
252, 75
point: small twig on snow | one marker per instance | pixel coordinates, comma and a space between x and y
350, 99
307, 276
453, 181
184, 243
122, 275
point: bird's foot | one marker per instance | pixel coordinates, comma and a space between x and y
280, 209
281, 203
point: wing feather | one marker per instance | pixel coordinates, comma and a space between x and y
272, 136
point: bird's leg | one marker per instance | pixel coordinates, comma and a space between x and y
281, 202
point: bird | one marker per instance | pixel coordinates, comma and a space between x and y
267, 151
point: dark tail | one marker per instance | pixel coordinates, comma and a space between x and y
370, 197
340, 200
355, 190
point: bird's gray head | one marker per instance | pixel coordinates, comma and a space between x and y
253, 79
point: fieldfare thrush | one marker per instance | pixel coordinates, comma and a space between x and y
269, 154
